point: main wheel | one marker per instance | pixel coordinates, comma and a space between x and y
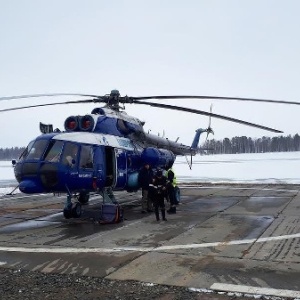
67, 213
76, 210
84, 198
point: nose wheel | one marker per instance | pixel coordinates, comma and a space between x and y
76, 210
67, 213
72, 210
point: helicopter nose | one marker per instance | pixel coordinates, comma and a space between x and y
30, 187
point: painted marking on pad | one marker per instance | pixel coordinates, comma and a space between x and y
228, 187
146, 249
244, 289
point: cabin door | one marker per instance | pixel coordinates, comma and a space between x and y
121, 168
110, 166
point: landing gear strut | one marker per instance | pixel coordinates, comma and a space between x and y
68, 207
74, 210
108, 196
83, 198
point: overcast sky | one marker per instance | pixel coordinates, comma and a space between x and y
156, 47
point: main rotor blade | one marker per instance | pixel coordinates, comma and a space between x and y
201, 112
44, 95
48, 104
172, 107
215, 98
128, 99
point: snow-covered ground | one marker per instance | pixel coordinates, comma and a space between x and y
277, 167
281, 167
7, 178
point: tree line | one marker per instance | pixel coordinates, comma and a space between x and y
243, 144
11, 153
238, 144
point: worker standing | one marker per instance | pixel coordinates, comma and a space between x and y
158, 193
145, 178
171, 184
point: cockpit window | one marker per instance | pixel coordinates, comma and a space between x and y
54, 151
86, 157
26, 151
37, 150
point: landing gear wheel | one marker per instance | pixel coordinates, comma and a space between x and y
76, 210
84, 198
67, 213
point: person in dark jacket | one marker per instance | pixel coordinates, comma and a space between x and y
145, 178
158, 194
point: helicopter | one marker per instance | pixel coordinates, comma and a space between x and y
103, 151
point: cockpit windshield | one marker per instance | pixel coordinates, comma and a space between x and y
37, 150
26, 151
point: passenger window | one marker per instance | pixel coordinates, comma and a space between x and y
86, 157
70, 154
54, 150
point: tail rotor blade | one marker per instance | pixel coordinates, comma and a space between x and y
210, 110
209, 129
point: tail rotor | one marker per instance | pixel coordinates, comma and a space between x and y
209, 130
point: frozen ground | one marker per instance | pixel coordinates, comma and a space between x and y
280, 167
232, 168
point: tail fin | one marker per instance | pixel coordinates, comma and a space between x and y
197, 138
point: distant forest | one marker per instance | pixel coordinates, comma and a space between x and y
243, 144
239, 144
11, 153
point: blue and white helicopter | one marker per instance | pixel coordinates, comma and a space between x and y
103, 151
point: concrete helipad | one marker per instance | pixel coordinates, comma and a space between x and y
223, 235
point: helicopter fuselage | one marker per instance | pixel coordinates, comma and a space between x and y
83, 162
105, 149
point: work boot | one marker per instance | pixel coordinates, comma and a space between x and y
172, 210
169, 211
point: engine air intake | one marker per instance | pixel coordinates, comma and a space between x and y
72, 123
86, 123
